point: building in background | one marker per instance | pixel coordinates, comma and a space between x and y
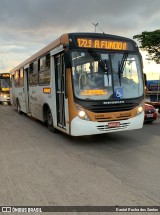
153, 92
153, 89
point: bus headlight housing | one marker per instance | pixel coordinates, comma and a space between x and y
140, 108
3, 95
82, 113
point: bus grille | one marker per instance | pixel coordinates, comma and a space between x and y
106, 128
111, 108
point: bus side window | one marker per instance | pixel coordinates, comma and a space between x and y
33, 70
48, 62
30, 73
42, 63
17, 78
21, 82
44, 70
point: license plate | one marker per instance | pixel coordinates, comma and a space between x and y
113, 124
149, 115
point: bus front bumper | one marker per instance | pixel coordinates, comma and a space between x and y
2, 99
81, 127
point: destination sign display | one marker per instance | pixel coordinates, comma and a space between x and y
103, 44
5, 75
93, 92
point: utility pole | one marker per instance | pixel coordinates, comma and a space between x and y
95, 25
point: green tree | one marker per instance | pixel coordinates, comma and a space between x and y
150, 42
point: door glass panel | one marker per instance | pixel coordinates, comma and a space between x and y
60, 86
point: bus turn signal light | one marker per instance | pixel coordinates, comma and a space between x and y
47, 90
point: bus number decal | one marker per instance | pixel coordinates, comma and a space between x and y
84, 43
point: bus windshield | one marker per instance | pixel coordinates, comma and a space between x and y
4, 84
102, 75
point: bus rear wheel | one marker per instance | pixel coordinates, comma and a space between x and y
50, 121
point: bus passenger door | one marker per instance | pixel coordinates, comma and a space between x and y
26, 89
61, 103
12, 90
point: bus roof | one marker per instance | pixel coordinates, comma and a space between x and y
59, 41
65, 39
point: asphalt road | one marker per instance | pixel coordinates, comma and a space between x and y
40, 168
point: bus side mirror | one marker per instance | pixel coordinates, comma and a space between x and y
145, 80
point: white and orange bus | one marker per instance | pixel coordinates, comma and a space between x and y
82, 84
4, 88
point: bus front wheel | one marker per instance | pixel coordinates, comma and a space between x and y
50, 121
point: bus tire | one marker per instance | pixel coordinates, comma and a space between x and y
18, 107
50, 121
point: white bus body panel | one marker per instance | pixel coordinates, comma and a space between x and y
81, 127
20, 95
32, 98
35, 107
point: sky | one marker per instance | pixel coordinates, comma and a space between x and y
26, 26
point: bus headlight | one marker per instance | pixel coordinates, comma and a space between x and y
140, 108
82, 113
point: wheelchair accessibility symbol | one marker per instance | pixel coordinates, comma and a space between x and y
119, 93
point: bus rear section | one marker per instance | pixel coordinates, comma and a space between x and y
4, 88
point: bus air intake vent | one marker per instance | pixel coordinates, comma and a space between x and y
111, 108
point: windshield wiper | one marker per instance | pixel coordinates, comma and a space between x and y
121, 66
102, 65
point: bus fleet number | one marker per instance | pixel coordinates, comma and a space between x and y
84, 43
